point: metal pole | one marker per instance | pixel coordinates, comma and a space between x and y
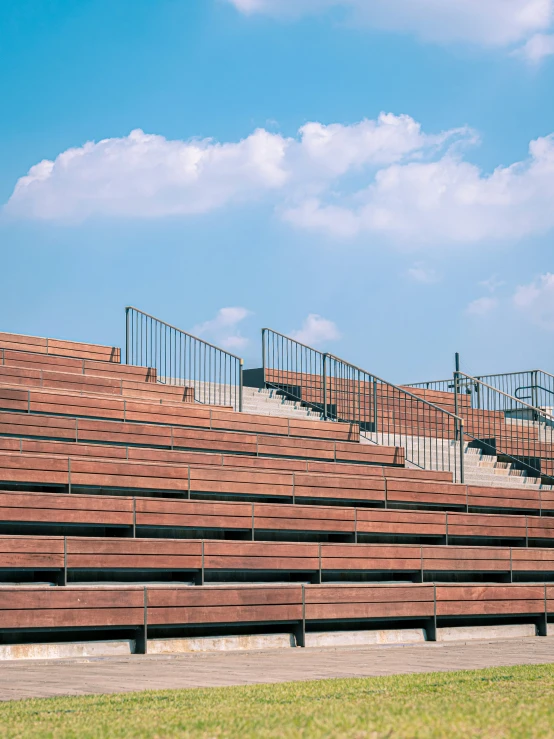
456, 381
534, 388
458, 432
263, 354
325, 387
461, 435
240, 385
375, 414
126, 335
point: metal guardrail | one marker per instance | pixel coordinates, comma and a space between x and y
506, 426
387, 414
536, 387
180, 358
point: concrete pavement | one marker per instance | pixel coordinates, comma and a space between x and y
27, 679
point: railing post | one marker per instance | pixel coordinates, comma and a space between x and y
460, 433
263, 355
240, 385
456, 381
324, 378
375, 412
126, 335
534, 388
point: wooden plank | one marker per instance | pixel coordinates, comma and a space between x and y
369, 593
369, 610
70, 617
224, 614
227, 595
70, 597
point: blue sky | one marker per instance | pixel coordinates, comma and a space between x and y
355, 172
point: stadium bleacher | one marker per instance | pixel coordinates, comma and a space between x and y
128, 508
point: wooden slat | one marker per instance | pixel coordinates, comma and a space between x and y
59, 347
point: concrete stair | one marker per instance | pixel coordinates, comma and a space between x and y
479, 468
485, 469
272, 403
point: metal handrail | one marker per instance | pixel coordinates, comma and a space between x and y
396, 387
524, 448
425, 385
181, 358
497, 374
401, 388
501, 392
342, 391
180, 330
532, 387
534, 380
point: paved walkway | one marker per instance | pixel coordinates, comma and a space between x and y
28, 679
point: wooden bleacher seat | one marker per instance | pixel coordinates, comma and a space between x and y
57, 347
301, 607
74, 558
107, 475
255, 520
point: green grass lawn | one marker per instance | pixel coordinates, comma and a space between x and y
500, 702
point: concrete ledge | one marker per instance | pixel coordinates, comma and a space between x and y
508, 631
110, 648
361, 638
220, 643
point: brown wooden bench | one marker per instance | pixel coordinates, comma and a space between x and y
188, 415
326, 603
59, 510
204, 559
27, 552
178, 437
429, 493
489, 600
70, 608
82, 384
144, 454
50, 512
469, 526
133, 554
224, 604
522, 499
57, 347
73, 365
185, 480
147, 609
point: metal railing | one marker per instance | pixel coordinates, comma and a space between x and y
506, 426
180, 358
536, 387
387, 414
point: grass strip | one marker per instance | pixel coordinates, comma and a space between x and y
514, 702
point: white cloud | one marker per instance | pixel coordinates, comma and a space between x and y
149, 175
535, 301
447, 200
384, 177
316, 330
223, 329
492, 283
481, 306
420, 273
145, 176
282, 8
489, 23
539, 46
